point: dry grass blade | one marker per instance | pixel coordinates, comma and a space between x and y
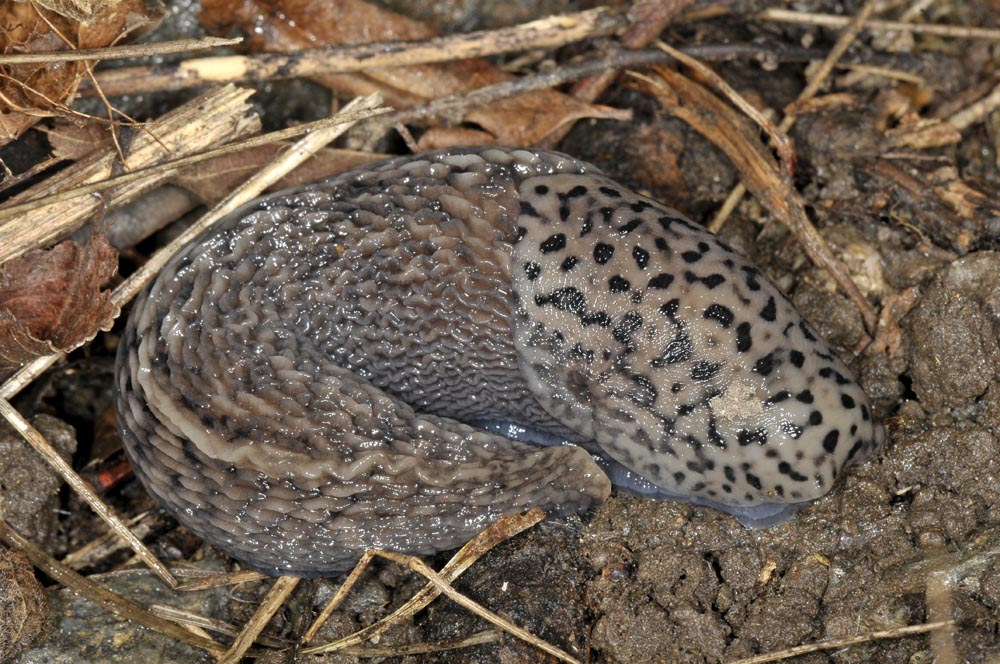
113, 602
83, 489
104, 545
937, 597
214, 580
546, 33
713, 119
477, 639
200, 623
120, 52
499, 531
783, 145
833, 644
275, 597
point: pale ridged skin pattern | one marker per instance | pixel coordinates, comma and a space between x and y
293, 386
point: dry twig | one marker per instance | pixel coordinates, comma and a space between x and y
119, 52
546, 33
275, 597
834, 21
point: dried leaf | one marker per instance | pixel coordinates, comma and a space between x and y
79, 10
24, 611
73, 140
51, 300
291, 25
29, 92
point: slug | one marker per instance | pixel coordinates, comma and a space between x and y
397, 356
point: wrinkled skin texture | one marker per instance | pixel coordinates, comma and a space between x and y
300, 384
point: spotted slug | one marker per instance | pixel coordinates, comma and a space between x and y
397, 356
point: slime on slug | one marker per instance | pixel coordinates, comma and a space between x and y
397, 356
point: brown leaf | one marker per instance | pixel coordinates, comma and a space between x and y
291, 25
79, 10
24, 611
29, 92
73, 140
51, 300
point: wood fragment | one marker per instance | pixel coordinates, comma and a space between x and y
120, 52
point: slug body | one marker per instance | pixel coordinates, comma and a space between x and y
330, 369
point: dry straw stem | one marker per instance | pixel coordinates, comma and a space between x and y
546, 33
202, 625
113, 602
106, 544
976, 112
713, 119
275, 597
119, 52
782, 144
834, 644
873, 25
205, 580
477, 639
442, 584
216, 117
